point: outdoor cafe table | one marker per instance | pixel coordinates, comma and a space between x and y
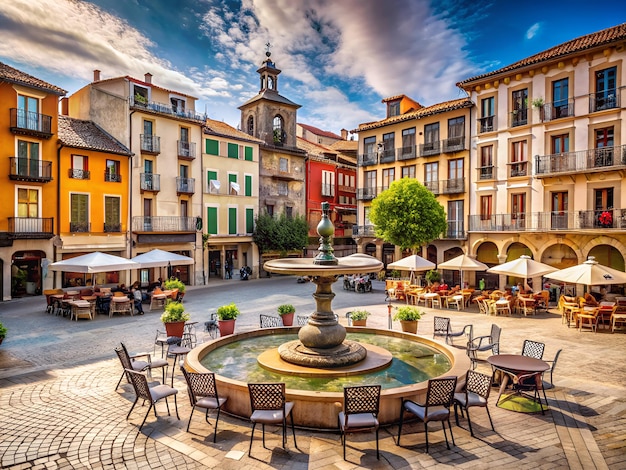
515, 364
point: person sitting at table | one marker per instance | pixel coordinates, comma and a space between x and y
443, 286
590, 300
137, 299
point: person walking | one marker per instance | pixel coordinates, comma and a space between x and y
138, 299
227, 270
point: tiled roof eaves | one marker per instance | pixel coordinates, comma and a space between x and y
320, 132
86, 135
12, 75
577, 45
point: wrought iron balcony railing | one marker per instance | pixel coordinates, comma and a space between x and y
582, 161
164, 224
433, 187
346, 189
29, 123
518, 169
518, 117
30, 227
406, 153
453, 186
487, 124
558, 110
186, 150
150, 182
363, 230
486, 172
112, 177
388, 156
456, 230
607, 99
367, 194
78, 227
30, 169
185, 185
454, 144
162, 108
368, 159
428, 149
77, 174
112, 227
150, 144
550, 221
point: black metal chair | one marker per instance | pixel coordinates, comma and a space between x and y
152, 394
439, 397
360, 412
268, 404
128, 362
442, 327
551, 370
202, 390
302, 320
270, 321
489, 342
533, 349
211, 326
476, 393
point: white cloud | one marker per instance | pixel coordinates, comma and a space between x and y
533, 30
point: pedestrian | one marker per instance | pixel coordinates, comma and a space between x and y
226, 270
138, 299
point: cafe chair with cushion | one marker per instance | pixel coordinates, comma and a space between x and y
442, 327
533, 349
476, 393
160, 340
152, 394
552, 364
489, 342
360, 412
268, 404
202, 390
128, 362
439, 397
270, 321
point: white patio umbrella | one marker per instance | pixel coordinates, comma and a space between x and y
159, 258
96, 262
413, 263
463, 263
589, 273
524, 267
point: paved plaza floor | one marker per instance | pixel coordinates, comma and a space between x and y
59, 407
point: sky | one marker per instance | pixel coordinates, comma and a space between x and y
339, 58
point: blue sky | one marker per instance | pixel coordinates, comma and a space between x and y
338, 58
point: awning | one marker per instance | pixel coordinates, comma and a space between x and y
234, 187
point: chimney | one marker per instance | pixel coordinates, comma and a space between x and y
344, 134
64, 106
148, 78
96, 75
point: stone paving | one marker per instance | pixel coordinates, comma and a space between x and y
59, 409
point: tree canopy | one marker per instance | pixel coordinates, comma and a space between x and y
281, 234
408, 215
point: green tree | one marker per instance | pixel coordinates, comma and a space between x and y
281, 234
408, 215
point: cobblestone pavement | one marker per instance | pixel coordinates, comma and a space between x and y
59, 409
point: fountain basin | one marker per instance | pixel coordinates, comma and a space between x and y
318, 409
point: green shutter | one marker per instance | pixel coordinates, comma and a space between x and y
111, 210
249, 220
248, 188
211, 175
211, 216
232, 178
79, 208
212, 147
248, 153
232, 221
233, 150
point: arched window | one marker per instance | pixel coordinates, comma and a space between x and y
251, 125
279, 132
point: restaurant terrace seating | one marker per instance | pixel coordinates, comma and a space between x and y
475, 393
360, 412
151, 394
202, 390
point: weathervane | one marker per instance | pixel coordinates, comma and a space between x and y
268, 46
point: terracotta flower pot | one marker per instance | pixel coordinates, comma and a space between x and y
287, 319
175, 328
359, 322
227, 327
409, 326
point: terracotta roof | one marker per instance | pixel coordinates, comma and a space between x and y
142, 83
345, 145
419, 113
313, 148
270, 95
393, 98
11, 75
320, 132
580, 44
87, 135
225, 130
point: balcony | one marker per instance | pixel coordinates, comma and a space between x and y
112, 228
27, 123
486, 172
150, 182
167, 109
112, 177
185, 185
582, 161
406, 153
487, 124
363, 230
167, 224
150, 144
186, 150
30, 169
454, 144
518, 169
346, 189
433, 187
366, 194
456, 230
31, 228
76, 174
388, 156
429, 149
587, 220
608, 99
368, 159
558, 110
328, 190
453, 186
80, 227
518, 117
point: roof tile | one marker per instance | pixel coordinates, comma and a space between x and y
12, 75
87, 135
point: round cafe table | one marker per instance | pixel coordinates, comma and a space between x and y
516, 364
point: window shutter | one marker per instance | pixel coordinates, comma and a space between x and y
232, 220
233, 150
248, 153
212, 147
248, 184
212, 220
249, 220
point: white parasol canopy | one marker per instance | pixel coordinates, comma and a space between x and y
96, 262
159, 258
524, 267
412, 263
463, 263
589, 273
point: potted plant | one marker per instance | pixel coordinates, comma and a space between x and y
408, 317
226, 314
359, 317
433, 276
3, 332
173, 283
286, 312
174, 318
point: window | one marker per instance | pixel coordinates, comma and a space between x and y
212, 147
519, 158
79, 168
604, 142
560, 96
113, 171
211, 220
278, 130
485, 207
233, 150
250, 125
269, 208
148, 127
233, 186
289, 212
455, 219
232, 221
283, 165
388, 177
283, 188
184, 134
606, 94
140, 95
393, 108
366, 216
28, 112
431, 177
456, 127
388, 149
249, 220
212, 182
408, 142
486, 163
408, 171
369, 145
247, 151
79, 213
455, 169
370, 179
519, 115
27, 202
248, 185
112, 214
560, 143
518, 205
431, 134
28, 163
328, 183
178, 105
487, 112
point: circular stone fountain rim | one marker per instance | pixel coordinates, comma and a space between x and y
352, 264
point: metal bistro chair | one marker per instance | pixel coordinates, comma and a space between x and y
439, 398
476, 393
202, 390
489, 342
302, 319
269, 321
551, 370
533, 349
360, 412
442, 327
268, 404
152, 394
211, 326
129, 362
